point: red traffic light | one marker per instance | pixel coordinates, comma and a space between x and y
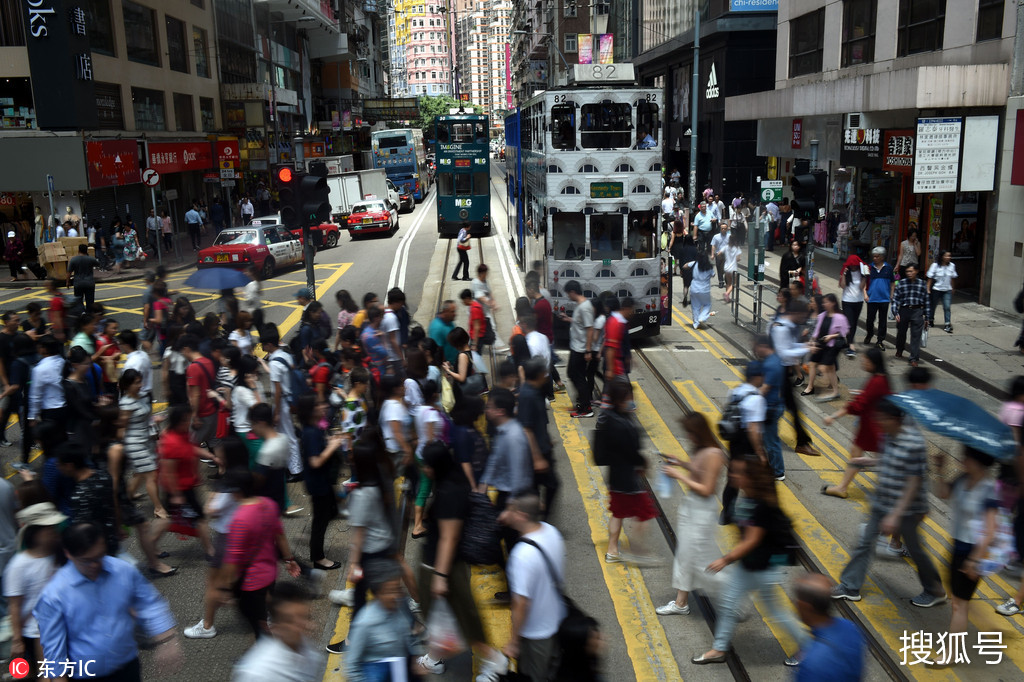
284, 174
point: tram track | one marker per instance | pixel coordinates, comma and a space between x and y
877, 649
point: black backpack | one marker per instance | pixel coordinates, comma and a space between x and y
730, 424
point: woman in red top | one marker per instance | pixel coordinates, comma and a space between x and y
179, 478
869, 438
109, 353
162, 309
255, 541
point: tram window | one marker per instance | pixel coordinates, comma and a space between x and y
605, 236
445, 184
480, 184
606, 126
463, 184
563, 126
568, 236
443, 136
640, 235
462, 132
526, 134
647, 119
569, 189
480, 133
624, 168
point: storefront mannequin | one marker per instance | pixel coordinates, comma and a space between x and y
39, 229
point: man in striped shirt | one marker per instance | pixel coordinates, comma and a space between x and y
912, 305
899, 505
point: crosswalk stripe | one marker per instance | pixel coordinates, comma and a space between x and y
646, 642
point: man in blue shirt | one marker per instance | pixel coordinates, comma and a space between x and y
836, 652
89, 610
878, 291
194, 222
703, 225
771, 389
439, 329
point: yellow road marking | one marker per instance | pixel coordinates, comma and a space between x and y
645, 639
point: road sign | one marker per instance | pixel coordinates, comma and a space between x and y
227, 183
227, 164
771, 190
227, 173
151, 177
49, 183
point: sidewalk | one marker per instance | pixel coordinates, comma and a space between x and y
979, 352
139, 268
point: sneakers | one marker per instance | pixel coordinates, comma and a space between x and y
791, 662
840, 592
430, 665
612, 558
342, 597
6, 443
337, 648
1008, 608
670, 609
900, 551
492, 670
293, 510
579, 414
780, 477
197, 631
948, 329
414, 606
926, 601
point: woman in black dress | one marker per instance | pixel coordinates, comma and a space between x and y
792, 264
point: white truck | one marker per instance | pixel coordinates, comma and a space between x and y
348, 188
336, 165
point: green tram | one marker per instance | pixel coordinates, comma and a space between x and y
463, 174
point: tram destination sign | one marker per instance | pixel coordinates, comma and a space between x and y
606, 190
603, 73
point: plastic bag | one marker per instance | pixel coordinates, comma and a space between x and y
443, 634
924, 338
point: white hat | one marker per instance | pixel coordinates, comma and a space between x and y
10, 234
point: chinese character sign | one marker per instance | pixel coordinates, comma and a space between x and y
898, 151
937, 157
798, 133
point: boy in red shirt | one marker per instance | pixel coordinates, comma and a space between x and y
201, 379
616, 338
477, 318
321, 371
179, 477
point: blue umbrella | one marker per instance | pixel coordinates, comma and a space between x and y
960, 419
217, 279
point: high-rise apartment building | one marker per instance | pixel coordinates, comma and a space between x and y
420, 59
499, 97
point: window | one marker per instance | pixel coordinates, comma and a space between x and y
463, 184
563, 126
148, 106
587, 168
140, 34
271, 235
570, 189
184, 118
647, 123
97, 18
481, 185
990, 19
806, 43
606, 236
640, 237
177, 54
201, 56
569, 44
606, 126
859, 32
921, 25
433, 74
198, 3
570, 8
108, 106
207, 114
569, 237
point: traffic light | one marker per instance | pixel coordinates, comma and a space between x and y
313, 190
809, 194
289, 197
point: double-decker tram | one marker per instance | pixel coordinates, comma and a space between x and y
400, 152
463, 174
586, 186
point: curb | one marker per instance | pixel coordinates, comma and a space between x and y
137, 273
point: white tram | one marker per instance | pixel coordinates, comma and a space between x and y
590, 159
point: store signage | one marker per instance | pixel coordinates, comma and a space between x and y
227, 150
937, 156
712, 91
111, 163
605, 190
753, 5
60, 64
177, 157
898, 151
798, 133
771, 190
861, 147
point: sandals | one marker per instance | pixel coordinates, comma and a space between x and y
809, 391
832, 493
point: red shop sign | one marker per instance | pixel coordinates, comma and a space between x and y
798, 133
112, 163
177, 157
227, 150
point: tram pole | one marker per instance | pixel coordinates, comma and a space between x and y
693, 106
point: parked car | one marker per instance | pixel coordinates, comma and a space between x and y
264, 243
324, 235
371, 216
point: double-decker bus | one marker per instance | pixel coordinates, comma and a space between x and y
463, 174
401, 154
586, 185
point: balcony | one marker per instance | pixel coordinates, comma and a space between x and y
319, 10
330, 47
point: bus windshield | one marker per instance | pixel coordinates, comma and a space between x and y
392, 142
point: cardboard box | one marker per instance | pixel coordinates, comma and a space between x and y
51, 252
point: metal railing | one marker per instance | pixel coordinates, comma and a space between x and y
749, 299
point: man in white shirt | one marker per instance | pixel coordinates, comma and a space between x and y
582, 362
281, 363
46, 393
246, 210
536, 572
718, 244
784, 338
128, 342
482, 292
287, 654
668, 205
390, 328
153, 226
537, 342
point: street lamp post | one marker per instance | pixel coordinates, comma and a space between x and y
693, 106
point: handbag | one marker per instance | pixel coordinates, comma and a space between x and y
481, 540
924, 338
574, 616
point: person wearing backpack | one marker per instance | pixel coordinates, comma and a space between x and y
742, 426
285, 384
201, 379
762, 550
19, 378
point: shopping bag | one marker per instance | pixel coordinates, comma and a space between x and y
924, 338
443, 634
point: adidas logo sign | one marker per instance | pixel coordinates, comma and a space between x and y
712, 91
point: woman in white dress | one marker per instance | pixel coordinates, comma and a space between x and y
732, 256
698, 515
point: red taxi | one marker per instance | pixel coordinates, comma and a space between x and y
324, 235
268, 247
370, 216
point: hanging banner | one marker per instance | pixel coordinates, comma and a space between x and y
607, 48
508, 75
586, 48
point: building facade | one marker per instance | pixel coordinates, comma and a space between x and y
499, 70
903, 104
421, 60
545, 42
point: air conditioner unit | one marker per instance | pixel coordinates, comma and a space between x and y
854, 121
